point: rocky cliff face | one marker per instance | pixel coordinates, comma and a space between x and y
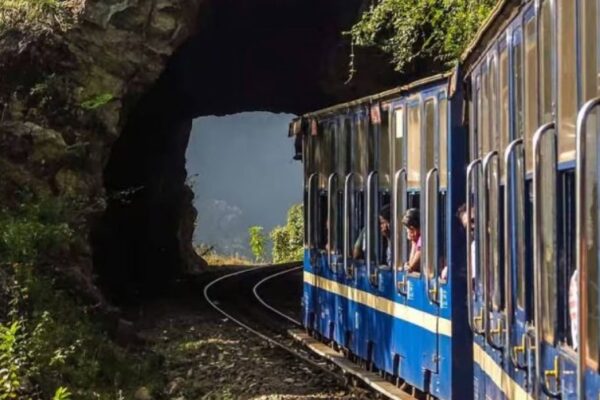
97, 99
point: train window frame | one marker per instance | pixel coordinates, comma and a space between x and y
517, 129
504, 77
494, 222
546, 63
566, 107
414, 104
357, 218
399, 149
428, 251
530, 84
443, 130
474, 115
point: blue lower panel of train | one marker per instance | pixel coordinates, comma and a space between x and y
368, 318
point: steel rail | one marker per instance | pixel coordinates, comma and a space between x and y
267, 305
268, 339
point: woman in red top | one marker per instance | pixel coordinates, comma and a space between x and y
412, 222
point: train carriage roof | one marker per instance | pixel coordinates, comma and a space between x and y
378, 97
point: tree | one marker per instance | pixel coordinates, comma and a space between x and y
411, 29
288, 240
257, 241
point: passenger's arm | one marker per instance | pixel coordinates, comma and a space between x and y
414, 264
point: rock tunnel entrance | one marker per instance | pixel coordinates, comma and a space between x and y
264, 55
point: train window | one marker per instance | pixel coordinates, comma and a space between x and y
484, 132
589, 46
413, 153
363, 151
494, 141
384, 160
443, 148
567, 79
428, 162
531, 96
399, 137
324, 153
429, 147
520, 232
546, 51
342, 167
547, 231
400, 247
504, 114
342, 149
474, 117
355, 202
518, 84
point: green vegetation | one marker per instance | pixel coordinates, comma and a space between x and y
97, 101
51, 347
35, 14
288, 240
258, 243
430, 29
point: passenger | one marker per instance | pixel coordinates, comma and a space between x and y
412, 221
360, 245
461, 214
574, 308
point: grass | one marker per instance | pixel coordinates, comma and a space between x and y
34, 14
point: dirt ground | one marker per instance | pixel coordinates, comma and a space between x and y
207, 356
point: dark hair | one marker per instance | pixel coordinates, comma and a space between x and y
461, 210
384, 212
412, 218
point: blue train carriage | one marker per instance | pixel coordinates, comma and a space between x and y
532, 83
402, 148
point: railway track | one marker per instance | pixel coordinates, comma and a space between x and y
242, 297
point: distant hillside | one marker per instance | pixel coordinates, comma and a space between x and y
230, 157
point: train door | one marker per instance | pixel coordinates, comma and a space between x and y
423, 183
586, 281
517, 162
323, 141
554, 211
475, 298
438, 221
400, 247
354, 228
335, 243
378, 258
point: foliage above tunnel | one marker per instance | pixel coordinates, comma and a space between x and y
421, 29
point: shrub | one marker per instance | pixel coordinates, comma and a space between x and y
288, 240
258, 242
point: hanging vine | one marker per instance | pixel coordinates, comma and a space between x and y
411, 29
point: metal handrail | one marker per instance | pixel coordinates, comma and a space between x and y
309, 221
431, 237
396, 252
470, 171
487, 264
331, 225
347, 245
508, 239
537, 262
371, 210
581, 265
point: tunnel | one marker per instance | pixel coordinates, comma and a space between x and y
263, 55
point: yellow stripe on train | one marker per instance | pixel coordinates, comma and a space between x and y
411, 315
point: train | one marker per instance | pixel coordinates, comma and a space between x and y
506, 307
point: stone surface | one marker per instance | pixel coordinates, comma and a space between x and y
101, 109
